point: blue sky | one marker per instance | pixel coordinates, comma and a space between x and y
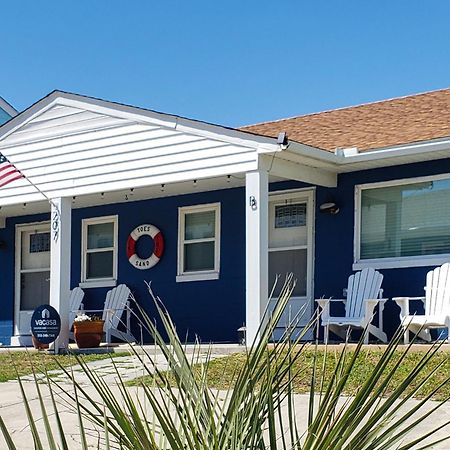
229, 62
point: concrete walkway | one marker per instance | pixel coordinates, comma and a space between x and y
13, 412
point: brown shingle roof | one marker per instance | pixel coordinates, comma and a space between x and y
381, 124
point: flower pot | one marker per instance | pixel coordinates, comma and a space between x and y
38, 344
88, 334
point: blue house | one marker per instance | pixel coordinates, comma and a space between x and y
117, 194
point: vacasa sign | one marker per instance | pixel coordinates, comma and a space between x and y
45, 324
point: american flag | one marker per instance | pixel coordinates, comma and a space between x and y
8, 172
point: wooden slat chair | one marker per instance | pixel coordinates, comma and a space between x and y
116, 303
76, 306
363, 294
436, 304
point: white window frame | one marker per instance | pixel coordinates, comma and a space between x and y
204, 274
98, 282
395, 262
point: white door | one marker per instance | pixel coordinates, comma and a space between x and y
32, 273
291, 219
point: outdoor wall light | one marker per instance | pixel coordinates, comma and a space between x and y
329, 208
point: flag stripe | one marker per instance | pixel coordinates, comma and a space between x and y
8, 172
15, 176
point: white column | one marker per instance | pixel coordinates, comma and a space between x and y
257, 237
60, 246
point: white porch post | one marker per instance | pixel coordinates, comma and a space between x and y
60, 265
257, 236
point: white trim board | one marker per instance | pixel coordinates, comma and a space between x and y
9, 109
99, 282
214, 274
19, 228
306, 195
139, 115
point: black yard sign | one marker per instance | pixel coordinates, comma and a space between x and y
45, 324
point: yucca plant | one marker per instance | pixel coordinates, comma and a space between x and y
178, 410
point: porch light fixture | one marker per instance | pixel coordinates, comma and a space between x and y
24, 206
195, 183
102, 195
132, 191
228, 178
329, 208
163, 187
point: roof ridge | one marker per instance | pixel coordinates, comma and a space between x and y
347, 107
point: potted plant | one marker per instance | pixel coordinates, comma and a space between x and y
88, 330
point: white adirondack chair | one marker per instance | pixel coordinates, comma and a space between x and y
116, 303
363, 294
76, 305
436, 302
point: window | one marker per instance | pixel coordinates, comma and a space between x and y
99, 255
288, 216
404, 224
39, 242
199, 242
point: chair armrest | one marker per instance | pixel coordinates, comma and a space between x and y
324, 304
402, 299
332, 300
403, 302
376, 300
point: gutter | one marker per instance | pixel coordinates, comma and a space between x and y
344, 157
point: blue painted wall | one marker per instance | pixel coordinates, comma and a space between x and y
214, 309
334, 238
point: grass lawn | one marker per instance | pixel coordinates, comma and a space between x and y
22, 361
221, 372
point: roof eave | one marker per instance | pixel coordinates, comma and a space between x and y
262, 143
8, 108
398, 151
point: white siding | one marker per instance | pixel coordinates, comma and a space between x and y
70, 151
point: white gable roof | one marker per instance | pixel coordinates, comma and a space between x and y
72, 145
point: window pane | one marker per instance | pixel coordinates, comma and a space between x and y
408, 220
199, 256
34, 289
287, 261
101, 235
39, 242
287, 216
99, 265
200, 225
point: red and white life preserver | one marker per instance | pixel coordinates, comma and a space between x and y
158, 249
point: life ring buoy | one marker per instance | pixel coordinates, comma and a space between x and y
158, 249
